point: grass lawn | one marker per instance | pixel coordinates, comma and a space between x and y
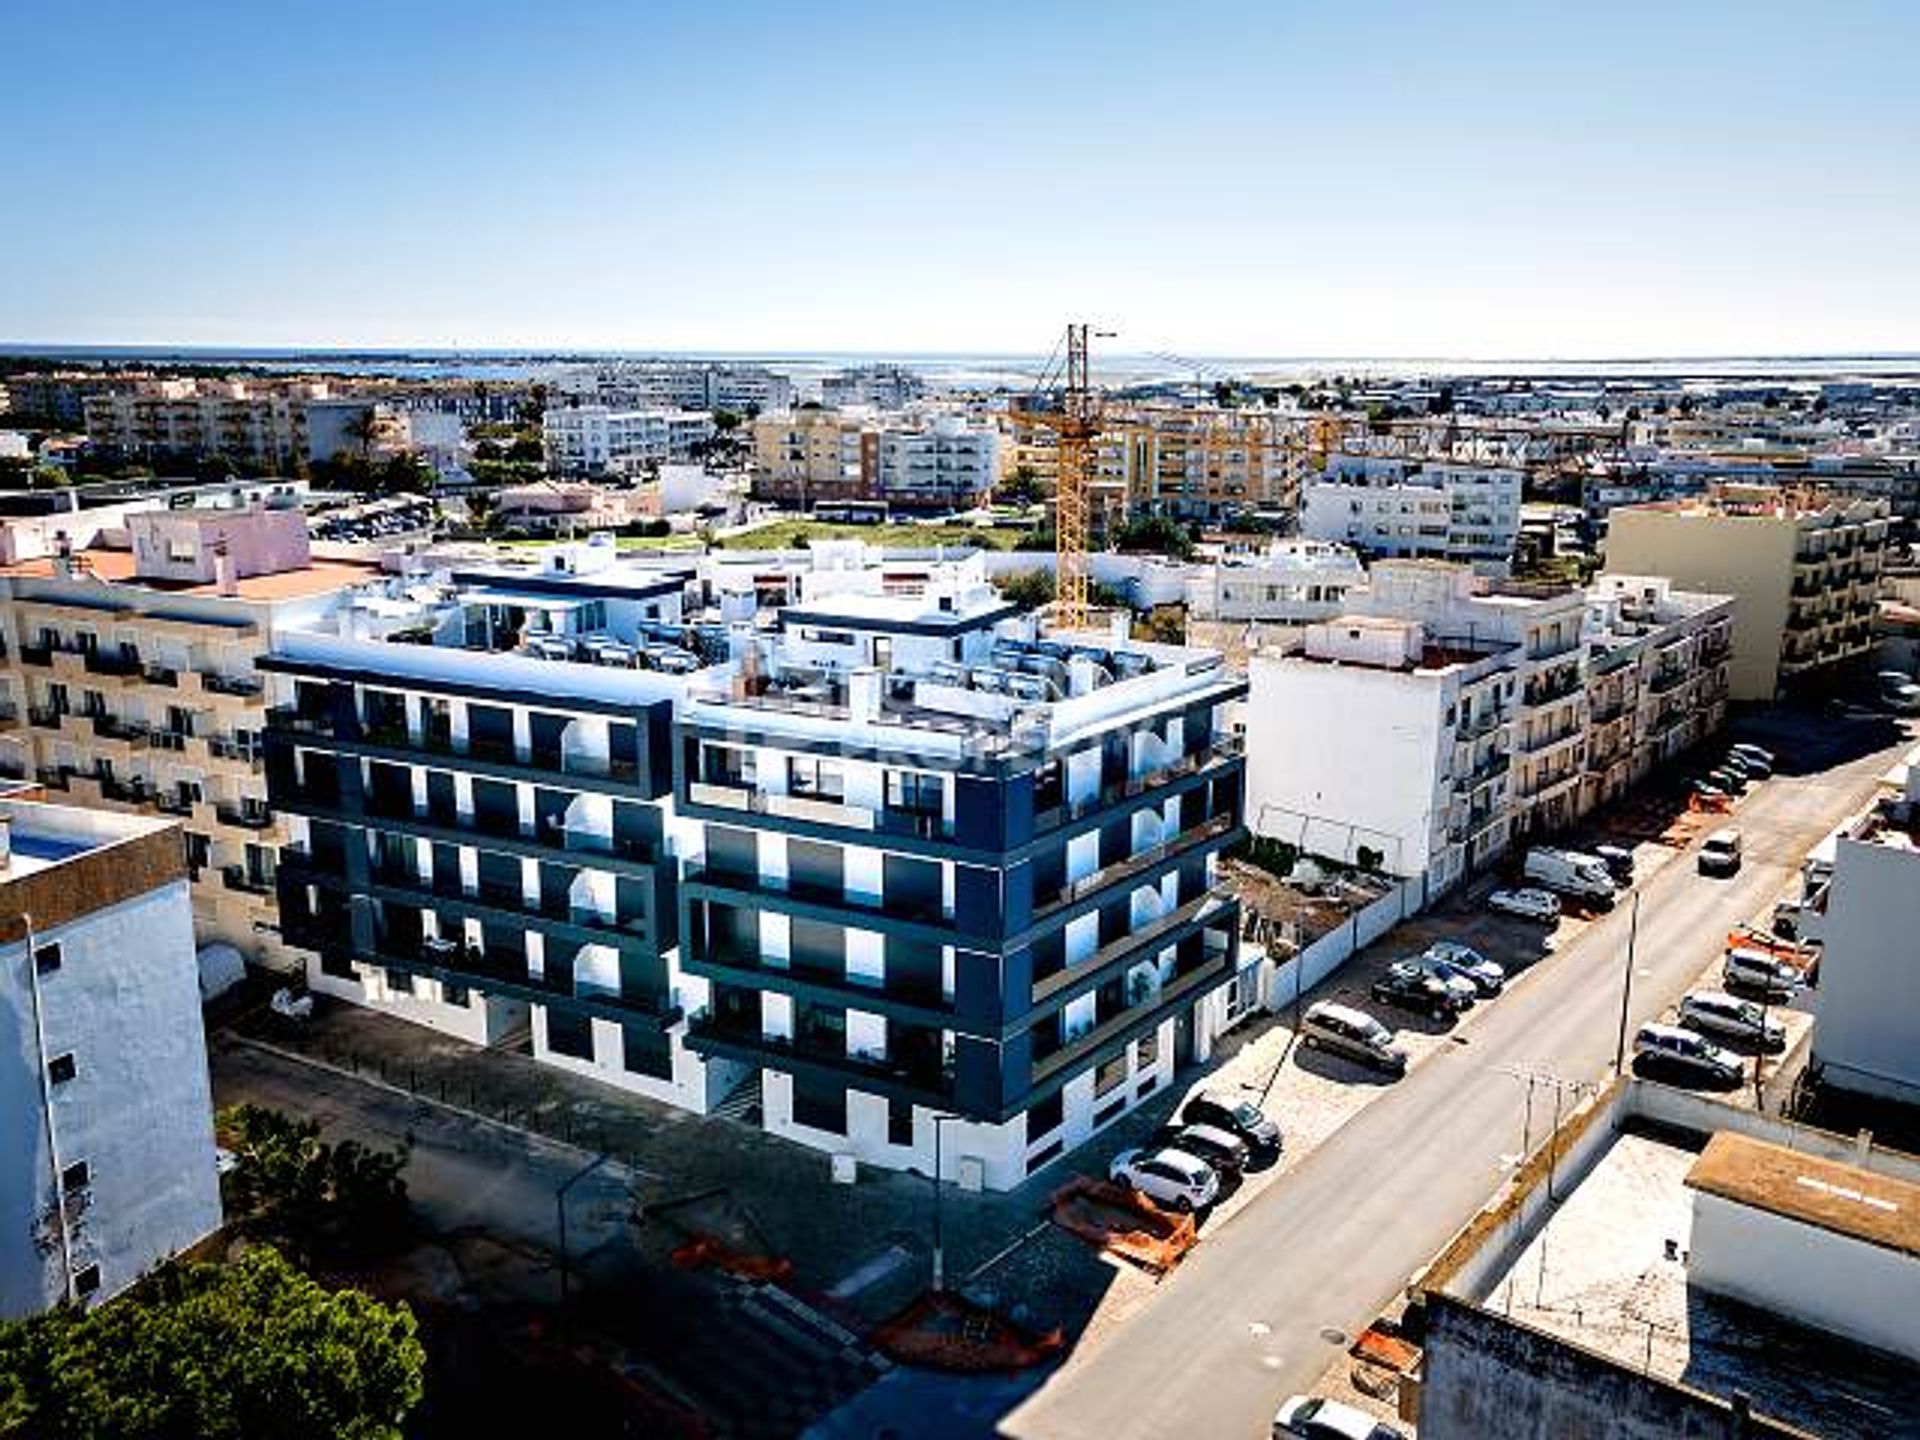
781, 535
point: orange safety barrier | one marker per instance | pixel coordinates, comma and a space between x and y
1746, 937
711, 1250
947, 1332
1123, 1222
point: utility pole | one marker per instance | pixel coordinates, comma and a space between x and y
1626, 986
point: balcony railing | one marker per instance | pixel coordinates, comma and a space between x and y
44, 717
237, 877
247, 817
1226, 747
113, 662
162, 675
112, 727
232, 684
1122, 870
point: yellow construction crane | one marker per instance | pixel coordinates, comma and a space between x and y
1076, 421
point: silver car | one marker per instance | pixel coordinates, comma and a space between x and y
1714, 1012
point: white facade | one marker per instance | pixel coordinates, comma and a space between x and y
1291, 582
104, 1099
1415, 510
1368, 735
593, 439
1866, 1034
946, 465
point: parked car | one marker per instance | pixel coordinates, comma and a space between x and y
1225, 1151
1707, 790
1756, 970
1714, 1012
1528, 904
1411, 986
1309, 1417
1729, 779
1570, 873
1689, 1051
1167, 1177
1352, 1033
1898, 692
1618, 859
1487, 978
1720, 852
1241, 1117
1755, 752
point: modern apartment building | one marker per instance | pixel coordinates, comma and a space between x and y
596, 440
1657, 662
947, 464
1415, 509
1291, 582
885, 387
109, 1163
1805, 571
130, 686
888, 863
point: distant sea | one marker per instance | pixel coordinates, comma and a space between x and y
989, 371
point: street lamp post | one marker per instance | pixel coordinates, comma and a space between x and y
560, 1214
1626, 986
939, 1254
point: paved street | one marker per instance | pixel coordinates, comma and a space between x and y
1260, 1309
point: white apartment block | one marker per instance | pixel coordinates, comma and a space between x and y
596, 440
1291, 582
109, 1166
1416, 509
679, 385
1370, 740
946, 465
1657, 661
1866, 1033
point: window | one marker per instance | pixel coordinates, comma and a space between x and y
1045, 1116
569, 1035
76, 1176
1111, 1073
899, 1122
46, 959
457, 996
1147, 1051
62, 1068
819, 779
86, 1281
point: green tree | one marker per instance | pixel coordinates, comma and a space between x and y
1020, 488
290, 1187
214, 1352
1156, 535
725, 420
1029, 589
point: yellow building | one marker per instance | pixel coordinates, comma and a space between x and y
1804, 569
121, 694
807, 456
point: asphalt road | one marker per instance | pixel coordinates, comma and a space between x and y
1260, 1309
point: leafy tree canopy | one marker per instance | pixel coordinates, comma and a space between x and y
214, 1352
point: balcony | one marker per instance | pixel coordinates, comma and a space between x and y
1667, 678
40, 655
238, 878
222, 747
112, 727
162, 675
1121, 871
478, 755
242, 685
1491, 768
245, 816
889, 820
1537, 745
1472, 726
1212, 969
921, 1077
1225, 748
123, 664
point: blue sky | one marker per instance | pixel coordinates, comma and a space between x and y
1418, 179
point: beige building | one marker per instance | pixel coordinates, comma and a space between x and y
807, 456
1804, 570
125, 692
1657, 662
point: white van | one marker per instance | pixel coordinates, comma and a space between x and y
1571, 873
1720, 853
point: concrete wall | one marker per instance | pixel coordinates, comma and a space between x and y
1747, 556
1823, 1279
1340, 757
1489, 1378
1317, 961
1867, 1034
125, 1003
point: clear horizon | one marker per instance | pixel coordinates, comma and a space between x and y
1482, 183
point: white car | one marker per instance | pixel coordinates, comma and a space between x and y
1750, 969
1714, 1012
1167, 1177
1528, 904
1309, 1417
1755, 752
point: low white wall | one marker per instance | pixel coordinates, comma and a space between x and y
1333, 949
